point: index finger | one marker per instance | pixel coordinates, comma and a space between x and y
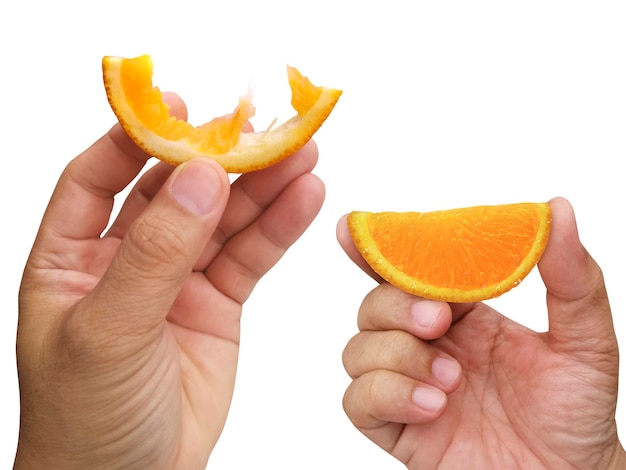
345, 240
82, 201
388, 308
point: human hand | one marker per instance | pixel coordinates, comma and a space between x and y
451, 386
128, 341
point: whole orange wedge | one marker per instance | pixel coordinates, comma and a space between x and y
140, 109
459, 255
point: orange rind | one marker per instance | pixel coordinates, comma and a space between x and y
139, 107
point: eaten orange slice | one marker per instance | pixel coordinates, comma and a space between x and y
144, 116
459, 255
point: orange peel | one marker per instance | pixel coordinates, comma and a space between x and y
139, 107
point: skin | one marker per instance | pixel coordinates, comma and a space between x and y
450, 386
128, 341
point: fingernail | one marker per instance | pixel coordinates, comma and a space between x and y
446, 371
425, 312
196, 186
429, 399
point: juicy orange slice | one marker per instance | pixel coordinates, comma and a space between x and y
459, 255
144, 116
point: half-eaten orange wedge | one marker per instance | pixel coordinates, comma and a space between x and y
144, 116
459, 255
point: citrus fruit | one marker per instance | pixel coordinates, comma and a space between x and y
140, 109
458, 255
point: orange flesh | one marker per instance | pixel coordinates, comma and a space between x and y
217, 136
459, 255
439, 237
304, 93
139, 107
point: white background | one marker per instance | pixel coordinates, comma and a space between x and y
445, 104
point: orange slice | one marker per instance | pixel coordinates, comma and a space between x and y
459, 255
144, 116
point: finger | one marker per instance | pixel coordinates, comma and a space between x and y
83, 199
379, 398
246, 257
253, 192
142, 193
159, 250
401, 352
578, 307
139, 197
389, 308
345, 240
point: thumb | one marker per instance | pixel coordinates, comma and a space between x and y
578, 306
161, 247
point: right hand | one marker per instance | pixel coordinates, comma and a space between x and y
451, 386
128, 340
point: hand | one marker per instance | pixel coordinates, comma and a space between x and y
128, 342
461, 386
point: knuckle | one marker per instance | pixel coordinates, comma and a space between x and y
362, 394
154, 242
395, 349
351, 354
383, 306
375, 390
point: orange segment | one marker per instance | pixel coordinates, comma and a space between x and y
458, 255
140, 109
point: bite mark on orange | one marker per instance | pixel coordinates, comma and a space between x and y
457, 255
139, 107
